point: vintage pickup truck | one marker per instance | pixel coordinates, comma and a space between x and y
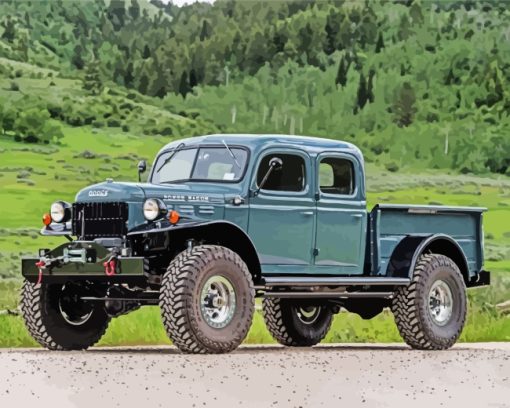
224, 219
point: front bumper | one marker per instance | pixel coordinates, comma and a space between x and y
82, 260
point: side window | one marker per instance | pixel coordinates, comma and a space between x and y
291, 177
336, 176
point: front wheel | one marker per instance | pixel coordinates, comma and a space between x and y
207, 300
431, 311
296, 324
58, 319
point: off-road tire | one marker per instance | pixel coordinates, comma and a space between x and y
286, 328
180, 300
410, 305
45, 323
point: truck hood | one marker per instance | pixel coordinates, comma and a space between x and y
111, 191
214, 193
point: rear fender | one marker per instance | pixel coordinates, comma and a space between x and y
406, 254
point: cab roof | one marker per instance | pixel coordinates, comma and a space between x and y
257, 142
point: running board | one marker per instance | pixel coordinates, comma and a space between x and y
328, 295
272, 281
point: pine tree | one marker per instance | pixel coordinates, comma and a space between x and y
370, 86
129, 75
206, 30
184, 87
134, 10
9, 33
416, 13
404, 105
341, 76
77, 59
362, 91
146, 52
380, 44
92, 81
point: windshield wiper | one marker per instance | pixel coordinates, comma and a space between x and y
232, 154
178, 148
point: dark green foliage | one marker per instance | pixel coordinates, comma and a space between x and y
388, 76
9, 26
92, 80
362, 92
341, 76
380, 44
404, 105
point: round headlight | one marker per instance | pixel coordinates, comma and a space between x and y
153, 209
60, 211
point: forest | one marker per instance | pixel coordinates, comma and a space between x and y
415, 84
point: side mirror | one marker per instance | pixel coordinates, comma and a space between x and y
274, 164
142, 167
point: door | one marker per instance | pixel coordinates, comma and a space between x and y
341, 213
281, 220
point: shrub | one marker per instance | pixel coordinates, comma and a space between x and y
392, 166
14, 86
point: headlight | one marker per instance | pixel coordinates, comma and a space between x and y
60, 211
153, 209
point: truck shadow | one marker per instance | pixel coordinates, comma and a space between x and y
248, 349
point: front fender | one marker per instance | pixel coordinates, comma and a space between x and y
164, 225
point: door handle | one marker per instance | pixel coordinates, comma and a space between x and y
307, 212
356, 215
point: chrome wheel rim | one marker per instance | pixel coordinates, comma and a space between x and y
308, 314
218, 302
69, 305
440, 303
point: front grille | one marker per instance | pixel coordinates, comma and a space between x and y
99, 220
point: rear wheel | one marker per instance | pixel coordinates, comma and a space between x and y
430, 313
207, 300
296, 324
58, 319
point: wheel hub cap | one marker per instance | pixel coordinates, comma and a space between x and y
218, 302
440, 303
308, 314
72, 308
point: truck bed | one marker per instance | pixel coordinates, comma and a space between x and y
389, 224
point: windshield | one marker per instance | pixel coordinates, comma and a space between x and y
204, 164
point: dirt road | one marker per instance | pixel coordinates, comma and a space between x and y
474, 375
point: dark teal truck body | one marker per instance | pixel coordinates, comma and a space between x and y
223, 219
311, 232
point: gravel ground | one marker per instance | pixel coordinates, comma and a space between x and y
469, 375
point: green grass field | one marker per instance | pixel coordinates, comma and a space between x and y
31, 177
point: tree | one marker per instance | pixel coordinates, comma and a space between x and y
416, 13
77, 59
184, 87
370, 86
404, 30
362, 92
9, 26
380, 43
116, 13
146, 52
134, 10
404, 105
206, 30
92, 80
341, 76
